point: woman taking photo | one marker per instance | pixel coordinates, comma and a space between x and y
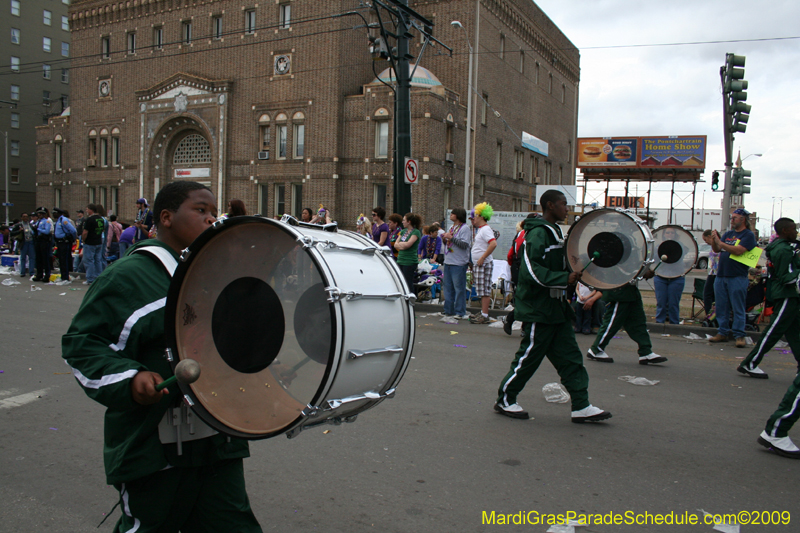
406, 246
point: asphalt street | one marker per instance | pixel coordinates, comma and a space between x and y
436, 457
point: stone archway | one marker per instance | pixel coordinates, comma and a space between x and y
182, 149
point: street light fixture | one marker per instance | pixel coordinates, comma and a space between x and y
751, 155
468, 152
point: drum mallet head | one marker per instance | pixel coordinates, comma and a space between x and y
663, 258
595, 255
186, 372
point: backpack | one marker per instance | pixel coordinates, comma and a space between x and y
516, 259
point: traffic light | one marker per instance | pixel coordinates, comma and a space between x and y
734, 88
740, 181
714, 180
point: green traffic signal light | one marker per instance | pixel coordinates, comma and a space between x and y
714, 180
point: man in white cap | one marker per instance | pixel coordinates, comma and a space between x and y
144, 220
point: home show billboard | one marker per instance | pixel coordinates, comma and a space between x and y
684, 151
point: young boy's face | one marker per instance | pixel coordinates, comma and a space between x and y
559, 208
193, 217
790, 233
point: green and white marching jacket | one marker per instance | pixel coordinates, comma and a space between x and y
117, 332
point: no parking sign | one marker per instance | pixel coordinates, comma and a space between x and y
411, 171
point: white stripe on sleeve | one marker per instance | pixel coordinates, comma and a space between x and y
139, 313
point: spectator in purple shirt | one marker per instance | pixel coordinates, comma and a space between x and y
430, 246
380, 229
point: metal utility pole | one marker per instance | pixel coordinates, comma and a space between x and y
735, 116
402, 116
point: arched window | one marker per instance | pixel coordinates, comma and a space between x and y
282, 134
193, 149
298, 135
92, 155
381, 117
264, 132
104, 147
115, 147
59, 159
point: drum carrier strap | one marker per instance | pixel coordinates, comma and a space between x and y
179, 424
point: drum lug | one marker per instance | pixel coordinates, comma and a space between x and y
168, 354
306, 241
217, 224
410, 297
354, 354
185, 253
310, 410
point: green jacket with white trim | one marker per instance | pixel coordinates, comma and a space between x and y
117, 332
784, 269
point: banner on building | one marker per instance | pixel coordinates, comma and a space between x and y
534, 144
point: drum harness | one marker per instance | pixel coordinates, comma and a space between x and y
556, 293
180, 424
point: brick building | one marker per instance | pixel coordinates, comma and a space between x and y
279, 104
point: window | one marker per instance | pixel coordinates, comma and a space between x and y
91, 195
132, 42
46, 44
286, 15
535, 167
46, 71
92, 147
64, 49
14, 64
14, 36
46, 98
115, 152
186, 31
15, 176
264, 136
64, 101
498, 157
15, 7
297, 199
103, 191
250, 21
59, 155
502, 45
47, 17
382, 138
280, 199
193, 149
299, 141
15, 92
522, 61
263, 199
14, 120
57, 197
563, 93
484, 107
105, 47
448, 139
379, 195
158, 37
64, 75
282, 142
114, 207
536, 73
64, 22
519, 163
550, 83
15, 148
103, 151
216, 26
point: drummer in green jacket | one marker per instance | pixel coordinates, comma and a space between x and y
624, 308
547, 317
115, 347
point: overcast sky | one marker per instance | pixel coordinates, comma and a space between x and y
675, 90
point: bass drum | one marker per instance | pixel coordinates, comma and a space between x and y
675, 251
292, 326
619, 242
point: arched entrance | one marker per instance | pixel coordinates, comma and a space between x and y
182, 150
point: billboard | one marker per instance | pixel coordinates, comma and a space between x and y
684, 151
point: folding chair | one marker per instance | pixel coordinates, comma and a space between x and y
697, 296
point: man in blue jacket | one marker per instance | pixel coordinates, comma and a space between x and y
65, 235
546, 316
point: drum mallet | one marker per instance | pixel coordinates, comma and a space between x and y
663, 258
595, 255
186, 372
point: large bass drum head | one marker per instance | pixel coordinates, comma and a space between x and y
620, 241
676, 250
248, 304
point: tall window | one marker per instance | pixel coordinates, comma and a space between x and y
484, 107
103, 151
105, 47
448, 139
286, 15
59, 155
14, 64
519, 164
46, 71
64, 49
216, 23
47, 17
522, 61
381, 138
502, 45
15, 7
282, 133
280, 199
563, 93
15, 148
298, 136
114, 204
132, 42
264, 134
550, 83
379, 195
158, 37
263, 199
15, 92
46, 44
57, 197
64, 22
115, 152
64, 75
15, 120
250, 21
92, 155
186, 31
15, 36
498, 154
15, 176
46, 98
297, 199
536, 73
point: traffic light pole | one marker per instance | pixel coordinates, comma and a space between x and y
726, 191
402, 108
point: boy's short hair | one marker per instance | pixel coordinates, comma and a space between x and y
782, 223
550, 195
172, 195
